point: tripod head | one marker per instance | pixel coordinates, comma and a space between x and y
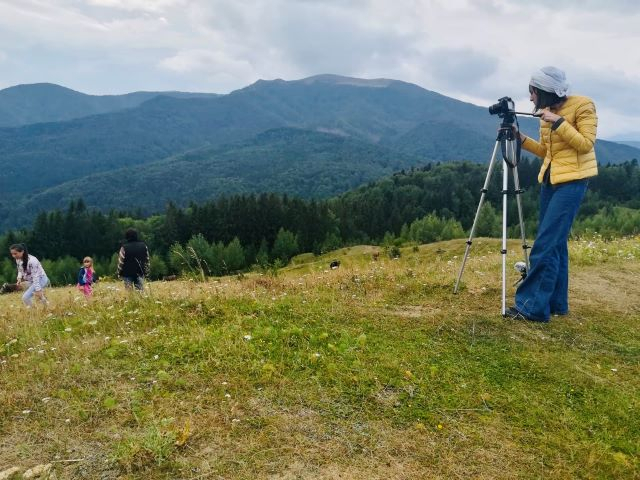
505, 108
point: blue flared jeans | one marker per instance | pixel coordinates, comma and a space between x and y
545, 289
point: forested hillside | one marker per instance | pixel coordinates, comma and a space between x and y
201, 148
290, 161
436, 202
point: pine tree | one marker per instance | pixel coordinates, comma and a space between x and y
234, 258
285, 245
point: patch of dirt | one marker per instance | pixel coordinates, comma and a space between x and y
414, 311
614, 287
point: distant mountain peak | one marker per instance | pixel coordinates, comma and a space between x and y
39, 87
48, 102
331, 79
340, 80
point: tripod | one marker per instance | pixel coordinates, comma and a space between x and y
510, 147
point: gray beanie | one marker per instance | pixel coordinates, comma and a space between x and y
550, 79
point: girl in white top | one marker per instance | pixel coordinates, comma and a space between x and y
31, 276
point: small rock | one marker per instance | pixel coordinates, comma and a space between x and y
39, 471
9, 474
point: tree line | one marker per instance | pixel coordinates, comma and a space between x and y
232, 234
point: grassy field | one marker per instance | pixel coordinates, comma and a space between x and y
374, 370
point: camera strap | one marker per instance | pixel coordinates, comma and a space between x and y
512, 162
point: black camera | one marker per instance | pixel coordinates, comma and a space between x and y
504, 107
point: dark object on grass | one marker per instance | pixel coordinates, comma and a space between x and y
9, 288
169, 278
335, 264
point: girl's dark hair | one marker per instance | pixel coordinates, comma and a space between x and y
131, 235
545, 99
21, 247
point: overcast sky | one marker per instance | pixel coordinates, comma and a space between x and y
474, 50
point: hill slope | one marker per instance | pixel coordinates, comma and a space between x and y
47, 102
375, 111
48, 154
302, 163
371, 371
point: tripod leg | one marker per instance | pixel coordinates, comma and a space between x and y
475, 220
519, 191
503, 251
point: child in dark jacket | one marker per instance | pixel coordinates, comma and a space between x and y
133, 261
87, 277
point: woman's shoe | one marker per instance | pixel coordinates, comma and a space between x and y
515, 314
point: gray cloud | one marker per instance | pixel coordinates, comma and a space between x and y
317, 38
460, 69
613, 88
136, 5
625, 7
476, 50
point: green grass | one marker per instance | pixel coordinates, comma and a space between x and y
373, 370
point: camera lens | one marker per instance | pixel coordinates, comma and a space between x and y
495, 108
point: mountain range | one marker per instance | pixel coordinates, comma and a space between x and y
47, 102
314, 137
631, 143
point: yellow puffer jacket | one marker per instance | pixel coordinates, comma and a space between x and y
568, 150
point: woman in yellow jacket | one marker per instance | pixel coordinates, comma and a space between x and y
567, 136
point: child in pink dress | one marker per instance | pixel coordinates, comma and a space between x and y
87, 277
